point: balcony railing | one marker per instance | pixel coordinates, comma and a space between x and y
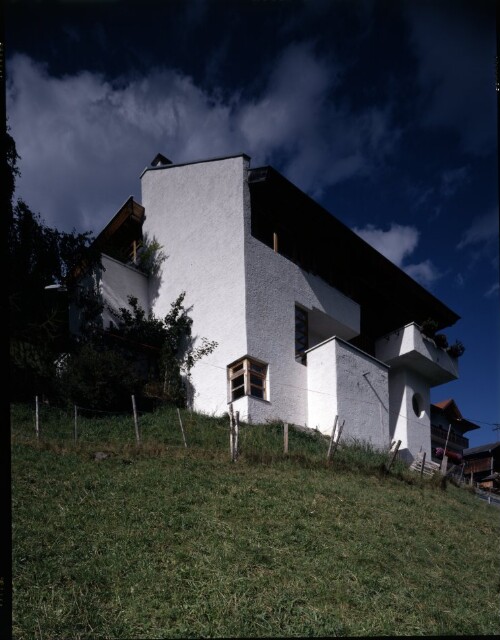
441, 434
408, 347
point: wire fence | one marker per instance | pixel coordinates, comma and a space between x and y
172, 428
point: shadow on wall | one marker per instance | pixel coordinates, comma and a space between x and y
405, 456
151, 260
365, 376
154, 288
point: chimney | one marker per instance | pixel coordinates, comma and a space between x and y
160, 161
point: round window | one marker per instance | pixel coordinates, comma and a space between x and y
418, 405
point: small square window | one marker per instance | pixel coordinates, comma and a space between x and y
247, 378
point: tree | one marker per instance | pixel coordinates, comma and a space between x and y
170, 338
97, 368
38, 256
142, 354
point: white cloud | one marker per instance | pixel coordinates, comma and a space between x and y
483, 230
395, 244
492, 291
424, 272
277, 120
84, 140
459, 280
452, 180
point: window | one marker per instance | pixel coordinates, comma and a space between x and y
417, 404
247, 377
301, 335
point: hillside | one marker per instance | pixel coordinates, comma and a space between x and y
160, 540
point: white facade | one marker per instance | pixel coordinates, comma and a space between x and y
345, 381
118, 282
196, 212
243, 294
416, 365
274, 285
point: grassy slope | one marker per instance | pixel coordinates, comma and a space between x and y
168, 542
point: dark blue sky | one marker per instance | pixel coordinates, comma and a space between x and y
385, 112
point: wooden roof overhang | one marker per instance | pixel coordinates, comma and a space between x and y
452, 413
116, 238
388, 297
122, 229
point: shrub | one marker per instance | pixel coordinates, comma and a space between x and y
441, 340
456, 350
429, 327
99, 378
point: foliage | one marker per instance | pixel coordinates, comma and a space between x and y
99, 370
86, 301
441, 341
39, 256
171, 338
456, 349
10, 172
429, 327
109, 366
99, 378
111, 549
150, 256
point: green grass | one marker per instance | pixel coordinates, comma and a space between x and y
159, 541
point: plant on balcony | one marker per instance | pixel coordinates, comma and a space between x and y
429, 327
441, 341
456, 350
150, 256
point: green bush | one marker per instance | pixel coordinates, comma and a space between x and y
99, 378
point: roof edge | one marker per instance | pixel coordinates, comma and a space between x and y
184, 164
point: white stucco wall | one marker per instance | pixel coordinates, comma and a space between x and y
243, 295
347, 382
274, 285
413, 431
322, 386
119, 281
195, 211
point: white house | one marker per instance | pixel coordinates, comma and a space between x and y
310, 321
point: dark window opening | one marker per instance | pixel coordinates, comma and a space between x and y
301, 335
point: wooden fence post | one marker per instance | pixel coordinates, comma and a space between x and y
231, 432
394, 454
75, 431
136, 424
423, 465
182, 428
334, 440
444, 464
37, 423
285, 438
332, 437
236, 435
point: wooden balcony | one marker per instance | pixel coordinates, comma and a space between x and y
439, 435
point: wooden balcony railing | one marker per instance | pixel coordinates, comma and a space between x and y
440, 434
